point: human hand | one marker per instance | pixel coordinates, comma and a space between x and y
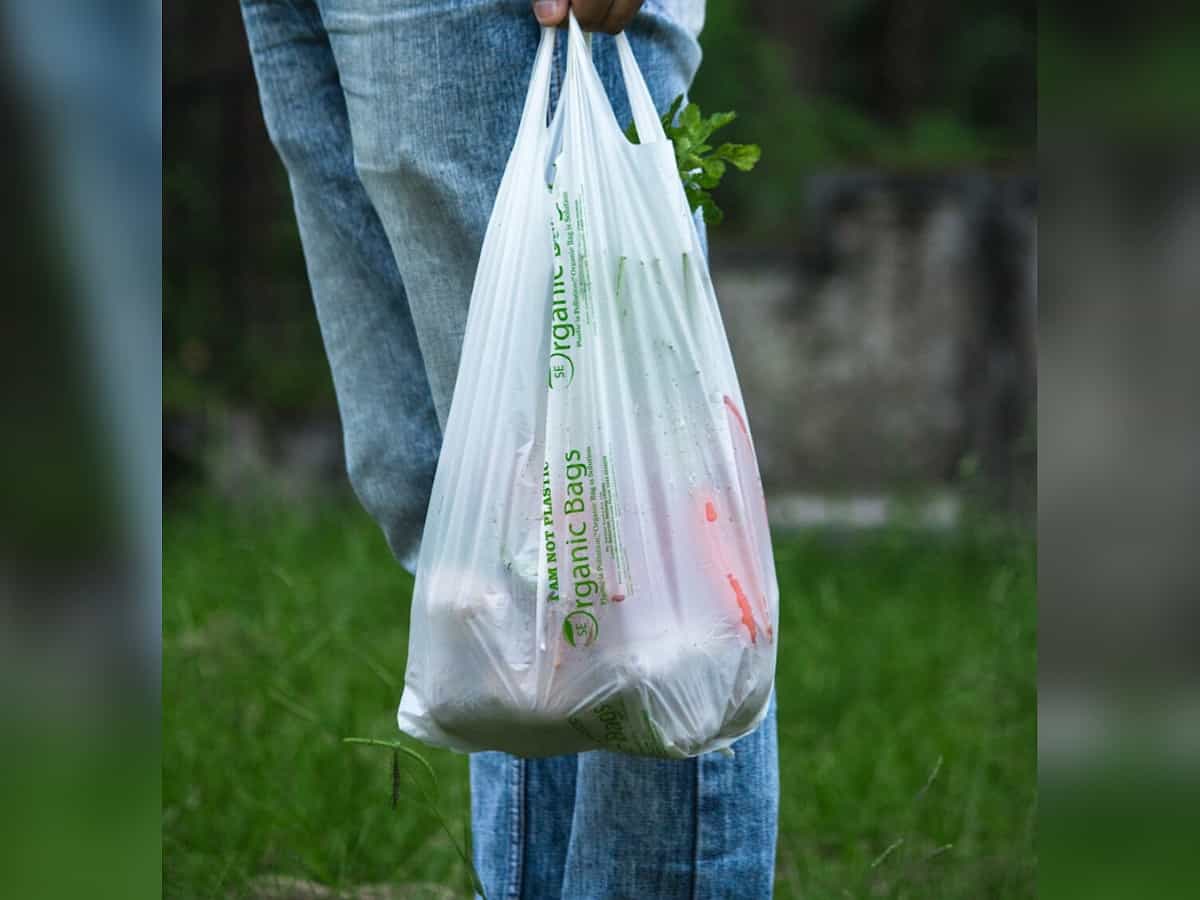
593, 15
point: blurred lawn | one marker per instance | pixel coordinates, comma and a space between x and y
906, 681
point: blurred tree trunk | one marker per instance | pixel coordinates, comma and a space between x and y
912, 39
803, 29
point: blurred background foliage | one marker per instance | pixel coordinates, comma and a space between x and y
910, 86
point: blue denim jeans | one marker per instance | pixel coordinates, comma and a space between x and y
394, 119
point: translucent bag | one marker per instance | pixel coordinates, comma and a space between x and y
596, 570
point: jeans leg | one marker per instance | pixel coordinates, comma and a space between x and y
603, 826
696, 829
433, 93
391, 432
521, 812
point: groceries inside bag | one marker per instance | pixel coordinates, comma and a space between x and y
596, 569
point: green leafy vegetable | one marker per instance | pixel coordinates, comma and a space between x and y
700, 166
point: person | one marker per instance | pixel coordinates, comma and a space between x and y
394, 121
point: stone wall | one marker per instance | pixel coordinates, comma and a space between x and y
896, 347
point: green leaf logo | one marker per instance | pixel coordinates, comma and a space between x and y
580, 628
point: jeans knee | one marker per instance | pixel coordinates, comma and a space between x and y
394, 492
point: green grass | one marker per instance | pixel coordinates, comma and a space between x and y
906, 688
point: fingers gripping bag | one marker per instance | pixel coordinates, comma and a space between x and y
596, 569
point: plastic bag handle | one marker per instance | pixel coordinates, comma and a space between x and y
537, 98
645, 116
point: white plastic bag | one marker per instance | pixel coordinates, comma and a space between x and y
596, 570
